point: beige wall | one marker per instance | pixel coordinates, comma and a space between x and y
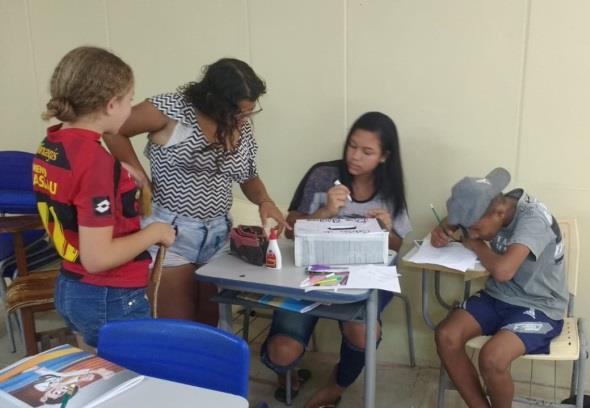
471, 84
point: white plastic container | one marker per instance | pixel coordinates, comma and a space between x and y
273, 252
340, 242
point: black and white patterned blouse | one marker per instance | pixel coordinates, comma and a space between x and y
190, 177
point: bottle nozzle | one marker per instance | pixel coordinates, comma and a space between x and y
273, 233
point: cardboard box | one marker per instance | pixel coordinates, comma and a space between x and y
336, 241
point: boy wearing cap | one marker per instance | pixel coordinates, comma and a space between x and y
525, 298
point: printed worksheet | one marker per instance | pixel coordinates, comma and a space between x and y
453, 256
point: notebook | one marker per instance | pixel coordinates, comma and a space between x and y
63, 372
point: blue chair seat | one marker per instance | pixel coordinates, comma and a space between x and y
18, 202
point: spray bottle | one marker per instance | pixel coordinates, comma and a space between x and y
273, 253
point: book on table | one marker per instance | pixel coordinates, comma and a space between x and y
63, 372
293, 305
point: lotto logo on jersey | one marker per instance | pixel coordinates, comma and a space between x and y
101, 205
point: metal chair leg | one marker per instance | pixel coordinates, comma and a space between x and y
409, 328
9, 329
288, 387
443, 382
246, 323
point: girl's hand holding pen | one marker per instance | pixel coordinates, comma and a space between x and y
336, 199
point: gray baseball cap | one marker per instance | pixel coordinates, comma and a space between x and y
471, 197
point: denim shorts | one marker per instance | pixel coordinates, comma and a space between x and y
86, 308
300, 326
196, 241
534, 328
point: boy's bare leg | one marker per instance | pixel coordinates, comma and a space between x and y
494, 364
451, 336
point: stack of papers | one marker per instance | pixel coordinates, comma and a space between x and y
352, 277
453, 256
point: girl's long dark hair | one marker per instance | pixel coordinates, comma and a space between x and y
389, 176
224, 84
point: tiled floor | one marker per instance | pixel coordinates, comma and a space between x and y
397, 385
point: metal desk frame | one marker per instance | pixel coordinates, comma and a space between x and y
468, 276
230, 272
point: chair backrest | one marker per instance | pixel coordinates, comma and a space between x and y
182, 351
571, 241
16, 183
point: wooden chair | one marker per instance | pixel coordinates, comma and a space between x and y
570, 345
28, 293
155, 277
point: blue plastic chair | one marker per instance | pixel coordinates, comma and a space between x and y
16, 195
16, 183
181, 351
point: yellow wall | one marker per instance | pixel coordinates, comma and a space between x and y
471, 84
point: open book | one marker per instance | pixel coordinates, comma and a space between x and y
63, 372
293, 305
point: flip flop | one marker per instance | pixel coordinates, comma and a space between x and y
332, 404
303, 375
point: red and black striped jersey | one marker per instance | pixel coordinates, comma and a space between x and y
77, 182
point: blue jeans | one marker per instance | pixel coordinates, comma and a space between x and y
86, 308
299, 327
196, 241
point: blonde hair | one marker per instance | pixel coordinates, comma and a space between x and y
84, 81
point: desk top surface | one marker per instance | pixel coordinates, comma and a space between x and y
477, 272
231, 272
15, 223
154, 392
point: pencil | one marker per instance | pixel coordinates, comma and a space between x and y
440, 224
435, 214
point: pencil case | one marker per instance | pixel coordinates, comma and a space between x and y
249, 242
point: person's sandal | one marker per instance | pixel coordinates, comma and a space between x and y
303, 375
332, 404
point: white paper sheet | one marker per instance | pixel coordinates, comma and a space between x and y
453, 256
351, 226
368, 277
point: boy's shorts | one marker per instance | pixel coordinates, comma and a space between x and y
86, 308
532, 326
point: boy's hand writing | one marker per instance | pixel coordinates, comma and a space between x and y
439, 237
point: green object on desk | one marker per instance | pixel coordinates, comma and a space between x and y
329, 281
435, 214
440, 224
67, 396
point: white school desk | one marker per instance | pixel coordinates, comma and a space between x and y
156, 393
468, 276
227, 271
